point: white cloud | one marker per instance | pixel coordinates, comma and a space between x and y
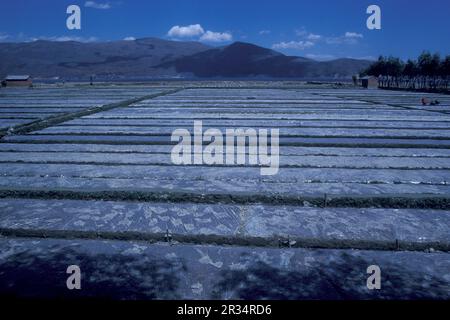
325, 57
67, 38
314, 37
3, 36
197, 31
335, 40
21, 37
298, 45
216, 36
347, 38
301, 32
304, 34
129, 38
320, 57
264, 32
190, 31
353, 35
97, 5
362, 57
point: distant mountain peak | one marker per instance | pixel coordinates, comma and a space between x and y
153, 57
250, 48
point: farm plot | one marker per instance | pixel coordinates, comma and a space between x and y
24, 106
406, 100
159, 271
319, 153
358, 169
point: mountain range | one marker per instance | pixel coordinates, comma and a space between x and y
158, 58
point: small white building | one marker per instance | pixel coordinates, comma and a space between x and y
18, 81
369, 82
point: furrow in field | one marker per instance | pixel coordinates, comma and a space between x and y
228, 220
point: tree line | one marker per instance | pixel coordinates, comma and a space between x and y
428, 71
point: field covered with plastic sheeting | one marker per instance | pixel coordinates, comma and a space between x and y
364, 178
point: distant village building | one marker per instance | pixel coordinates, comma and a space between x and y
18, 81
369, 82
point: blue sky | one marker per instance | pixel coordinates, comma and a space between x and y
321, 29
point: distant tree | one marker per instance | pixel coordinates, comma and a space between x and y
435, 64
394, 66
444, 68
410, 69
377, 68
387, 66
428, 64
429, 71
